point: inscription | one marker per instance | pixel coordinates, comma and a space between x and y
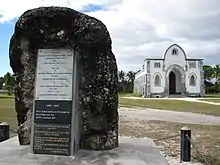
54, 74
53, 139
50, 111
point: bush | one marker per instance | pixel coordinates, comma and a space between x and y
215, 88
136, 94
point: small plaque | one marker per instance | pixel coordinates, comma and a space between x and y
52, 139
51, 111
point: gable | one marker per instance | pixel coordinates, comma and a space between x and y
175, 55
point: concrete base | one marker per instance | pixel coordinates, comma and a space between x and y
130, 152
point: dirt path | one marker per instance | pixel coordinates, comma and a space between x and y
165, 115
191, 99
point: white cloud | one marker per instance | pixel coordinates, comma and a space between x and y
146, 28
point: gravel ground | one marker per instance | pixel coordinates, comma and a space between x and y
176, 161
166, 115
133, 115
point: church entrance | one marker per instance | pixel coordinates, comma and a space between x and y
175, 82
172, 83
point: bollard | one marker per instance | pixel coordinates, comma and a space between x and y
185, 146
4, 131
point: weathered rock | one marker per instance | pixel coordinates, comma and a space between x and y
58, 27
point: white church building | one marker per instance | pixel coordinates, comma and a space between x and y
173, 75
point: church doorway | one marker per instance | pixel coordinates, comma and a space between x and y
174, 82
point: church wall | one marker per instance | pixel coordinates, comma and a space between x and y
156, 89
196, 72
140, 83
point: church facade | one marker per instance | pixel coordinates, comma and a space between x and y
172, 75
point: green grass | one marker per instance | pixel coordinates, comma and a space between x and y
175, 105
213, 95
212, 100
3, 96
206, 96
7, 110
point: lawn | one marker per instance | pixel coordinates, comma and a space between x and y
212, 100
7, 110
175, 105
204, 137
212, 95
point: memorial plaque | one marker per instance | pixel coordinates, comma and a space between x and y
54, 74
50, 111
53, 102
52, 138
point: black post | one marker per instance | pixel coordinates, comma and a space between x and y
185, 146
4, 131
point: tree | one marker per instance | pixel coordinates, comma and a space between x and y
217, 77
217, 73
9, 82
126, 81
130, 76
212, 73
208, 72
1, 82
121, 76
121, 79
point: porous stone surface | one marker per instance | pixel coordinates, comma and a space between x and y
59, 27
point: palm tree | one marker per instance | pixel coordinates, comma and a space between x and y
121, 79
121, 76
131, 76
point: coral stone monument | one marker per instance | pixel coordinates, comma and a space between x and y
66, 95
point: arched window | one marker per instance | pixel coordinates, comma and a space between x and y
192, 81
174, 52
157, 80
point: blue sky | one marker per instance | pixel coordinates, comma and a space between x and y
7, 30
139, 29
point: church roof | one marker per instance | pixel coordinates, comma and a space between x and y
188, 59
